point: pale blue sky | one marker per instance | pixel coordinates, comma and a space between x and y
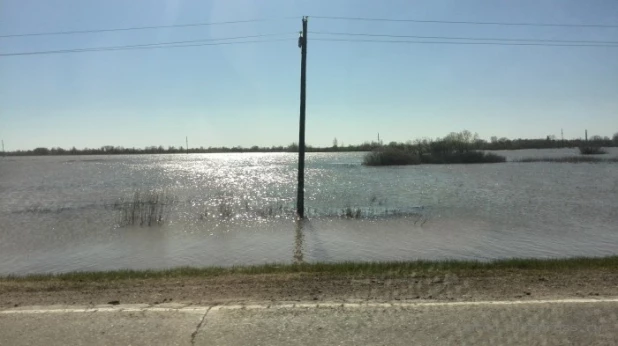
248, 94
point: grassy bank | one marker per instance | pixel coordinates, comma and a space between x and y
337, 269
570, 159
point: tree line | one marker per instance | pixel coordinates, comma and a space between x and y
459, 141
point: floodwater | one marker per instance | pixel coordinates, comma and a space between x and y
65, 213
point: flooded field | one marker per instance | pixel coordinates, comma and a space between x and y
67, 213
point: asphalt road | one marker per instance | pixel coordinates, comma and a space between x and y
565, 322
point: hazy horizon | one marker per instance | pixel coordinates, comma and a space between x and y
248, 94
339, 143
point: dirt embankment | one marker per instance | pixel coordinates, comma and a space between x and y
245, 288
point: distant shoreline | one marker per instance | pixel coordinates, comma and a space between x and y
471, 142
243, 151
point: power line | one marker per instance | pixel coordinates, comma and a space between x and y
461, 38
467, 22
467, 43
139, 47
51, 33
187, 41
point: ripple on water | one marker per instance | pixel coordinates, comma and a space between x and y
59, 214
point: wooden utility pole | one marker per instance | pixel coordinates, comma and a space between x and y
300, 198
187, 142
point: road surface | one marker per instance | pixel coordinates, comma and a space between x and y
548, 322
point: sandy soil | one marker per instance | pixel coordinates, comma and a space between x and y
242, 288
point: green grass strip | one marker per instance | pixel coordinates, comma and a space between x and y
342, 268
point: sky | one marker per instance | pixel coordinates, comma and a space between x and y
248, 94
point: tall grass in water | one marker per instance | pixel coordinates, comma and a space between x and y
591, 150
148, 208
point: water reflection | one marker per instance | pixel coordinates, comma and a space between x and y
298, 244
239, 209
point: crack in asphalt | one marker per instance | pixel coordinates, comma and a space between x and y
199, 325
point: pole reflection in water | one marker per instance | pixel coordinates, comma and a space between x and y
298, 248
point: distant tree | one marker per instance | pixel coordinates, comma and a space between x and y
615, 138
293, 147
335, 143
469, 137
458, 141
58, 151
41, 151
494, 139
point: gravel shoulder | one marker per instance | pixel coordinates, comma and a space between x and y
432, 285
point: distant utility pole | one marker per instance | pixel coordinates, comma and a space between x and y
300, 198
562, 135
586, 135
3, 152
187, 140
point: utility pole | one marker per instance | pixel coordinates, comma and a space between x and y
300, 198
187, 141
3, 152
562, 134
586, 135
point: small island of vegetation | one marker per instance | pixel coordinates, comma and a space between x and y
591, 150
452, 149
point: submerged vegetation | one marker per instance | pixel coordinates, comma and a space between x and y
420, 267
156, 207
454, 148
570, 159
148, 208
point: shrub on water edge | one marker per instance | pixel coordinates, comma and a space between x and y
393, 156
462, 157
591, 150
390, 157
